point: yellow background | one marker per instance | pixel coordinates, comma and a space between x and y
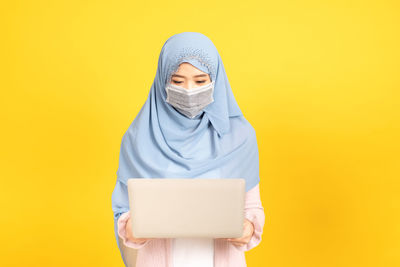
318, 80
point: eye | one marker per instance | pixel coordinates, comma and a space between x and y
201, 81
177, 81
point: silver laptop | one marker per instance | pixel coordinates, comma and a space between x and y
195, 207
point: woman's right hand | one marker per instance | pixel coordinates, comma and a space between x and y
129, 234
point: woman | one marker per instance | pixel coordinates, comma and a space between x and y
190, 127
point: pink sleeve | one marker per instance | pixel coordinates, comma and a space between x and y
254, 212
121, 232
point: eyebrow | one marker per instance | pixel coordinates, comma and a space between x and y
200, 75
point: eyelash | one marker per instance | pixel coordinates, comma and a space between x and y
181, 81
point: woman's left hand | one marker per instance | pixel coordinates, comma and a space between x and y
248, 230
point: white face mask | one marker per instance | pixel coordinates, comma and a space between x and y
190, 102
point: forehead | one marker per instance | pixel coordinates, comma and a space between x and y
187, 68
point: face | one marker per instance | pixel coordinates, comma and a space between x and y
188, 76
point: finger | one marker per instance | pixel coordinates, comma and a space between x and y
139, 242
238, 244
228, 239
234, 239
241, 239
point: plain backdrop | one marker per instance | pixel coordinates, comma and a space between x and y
318, 80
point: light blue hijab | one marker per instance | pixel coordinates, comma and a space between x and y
157, 143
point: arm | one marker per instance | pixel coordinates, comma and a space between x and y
120, 207
122, 221
254, 212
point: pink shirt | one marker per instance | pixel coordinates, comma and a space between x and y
157, 252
